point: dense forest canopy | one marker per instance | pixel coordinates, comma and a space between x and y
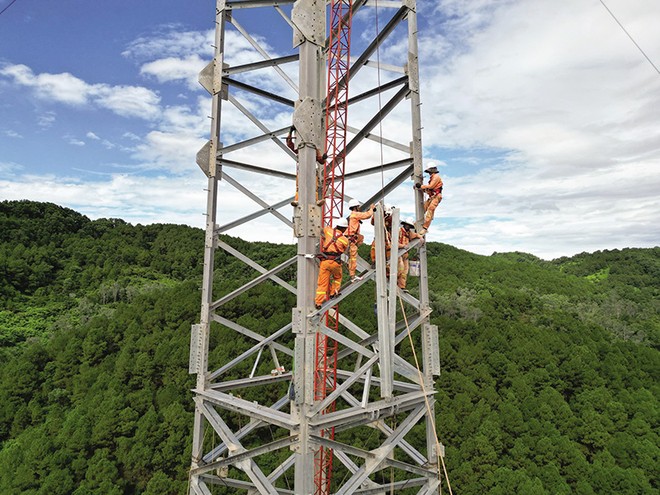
550, 369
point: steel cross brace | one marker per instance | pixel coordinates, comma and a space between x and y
247, 465
372, 464
248, 428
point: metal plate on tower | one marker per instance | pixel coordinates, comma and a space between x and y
195, 349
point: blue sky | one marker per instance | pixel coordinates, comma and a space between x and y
542, 115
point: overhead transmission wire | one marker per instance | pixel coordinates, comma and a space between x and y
10, 4
631, 38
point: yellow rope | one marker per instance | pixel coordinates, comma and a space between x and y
426, 399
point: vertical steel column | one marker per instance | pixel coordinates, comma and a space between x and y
385, 348
201, 333
309, 18
418, 176
392, 289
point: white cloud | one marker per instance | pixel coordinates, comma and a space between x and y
127, 101
175, 69
8, 168
168, 151
104, 142
46, 119
133, 198
171, 42
569, 102
64, 87
130, 135
550, 107
12, 134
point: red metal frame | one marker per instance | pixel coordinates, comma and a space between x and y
336, 109
332, 190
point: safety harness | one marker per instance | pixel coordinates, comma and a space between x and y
436, 191
327, 255
352, 236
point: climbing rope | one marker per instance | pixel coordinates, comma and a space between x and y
426, 399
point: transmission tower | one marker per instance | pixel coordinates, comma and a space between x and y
263, 425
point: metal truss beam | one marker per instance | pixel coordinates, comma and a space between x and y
252, 141
252, 283
246, 464
260, 170
260, 92
253, 4
247, 429
242, 406
380, 115
373, 463
237, 254
237, 69
266, 207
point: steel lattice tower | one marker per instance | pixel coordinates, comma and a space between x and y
242, 411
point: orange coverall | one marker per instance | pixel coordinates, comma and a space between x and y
320, 159
405, 236
388, 244
353, 234
434, 190
333, 244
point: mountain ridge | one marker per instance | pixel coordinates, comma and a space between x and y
550, 368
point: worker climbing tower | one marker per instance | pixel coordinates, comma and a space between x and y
338, 405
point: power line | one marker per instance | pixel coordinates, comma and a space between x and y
631, 38
10, 4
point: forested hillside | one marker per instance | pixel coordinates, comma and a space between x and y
550, 370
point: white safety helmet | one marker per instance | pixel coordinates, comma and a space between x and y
409, 221
353, 203
342, 223
387, 210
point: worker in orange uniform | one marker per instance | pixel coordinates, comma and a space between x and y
333, 244
434, 190
353, 233
387, 223
406, 234
320, 159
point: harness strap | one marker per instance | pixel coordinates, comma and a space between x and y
332, 242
